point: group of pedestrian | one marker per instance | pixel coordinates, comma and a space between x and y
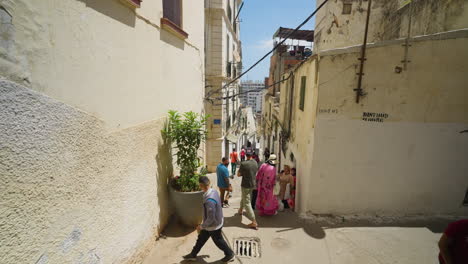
273, 190
268, 188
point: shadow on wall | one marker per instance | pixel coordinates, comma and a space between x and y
164, 172
172, 40
114, 9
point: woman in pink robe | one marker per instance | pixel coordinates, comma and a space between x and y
267, 204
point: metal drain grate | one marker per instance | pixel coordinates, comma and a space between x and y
247, 247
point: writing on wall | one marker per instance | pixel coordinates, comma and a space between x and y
328, 111
374, 117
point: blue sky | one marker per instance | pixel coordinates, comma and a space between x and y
260, 20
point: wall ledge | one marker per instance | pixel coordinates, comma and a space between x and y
454, 34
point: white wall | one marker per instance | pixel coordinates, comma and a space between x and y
414, 161
108, 60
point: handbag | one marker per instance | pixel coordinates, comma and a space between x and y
277, 188
287, 194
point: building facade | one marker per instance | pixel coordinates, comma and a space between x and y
283, 60
251, 95
85, 87
223, 64
396, 144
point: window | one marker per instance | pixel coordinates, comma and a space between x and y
234, 24
303, 90
172, 10
229, 12
228, 64
172, 17
347, 7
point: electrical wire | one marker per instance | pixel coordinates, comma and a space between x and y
256, 90
270, 52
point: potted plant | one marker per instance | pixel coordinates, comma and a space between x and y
186, 132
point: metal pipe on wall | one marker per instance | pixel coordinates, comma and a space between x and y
358, 90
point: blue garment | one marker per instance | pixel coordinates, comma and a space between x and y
223, 176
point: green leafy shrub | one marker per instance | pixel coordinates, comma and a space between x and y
186, 132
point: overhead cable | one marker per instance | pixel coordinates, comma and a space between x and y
271, 51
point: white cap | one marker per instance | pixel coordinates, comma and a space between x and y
272, 159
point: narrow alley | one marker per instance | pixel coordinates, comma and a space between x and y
286, 238
126, 125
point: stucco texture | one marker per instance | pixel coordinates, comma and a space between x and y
388, 20
409, 161
73, 192
105, 58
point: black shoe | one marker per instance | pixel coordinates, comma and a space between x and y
190, 257
227, 259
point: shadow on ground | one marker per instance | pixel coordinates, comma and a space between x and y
201, 259
315, 227
434, 224
176, 229
284, 221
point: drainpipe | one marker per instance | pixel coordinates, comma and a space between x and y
407, 41
291, 98
358, 90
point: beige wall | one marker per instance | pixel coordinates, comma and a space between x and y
85, 87
106, 59
414, 161
387, 21
301, 139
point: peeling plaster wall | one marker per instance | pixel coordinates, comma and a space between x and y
387, 21
84, 89
73, 192
411, 158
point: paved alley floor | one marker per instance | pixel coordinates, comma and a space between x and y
285, 238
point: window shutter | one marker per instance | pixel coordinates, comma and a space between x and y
303, 90
172, 10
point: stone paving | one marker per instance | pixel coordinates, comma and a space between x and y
286, 238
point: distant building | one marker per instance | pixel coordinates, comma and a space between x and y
252, 92
223, 64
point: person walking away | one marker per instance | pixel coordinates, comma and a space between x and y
242, 154
255, 157
285, 178
292, 199
266, 203
223, 181
266, 154
212, 224
234, 159
453, 244
248, 171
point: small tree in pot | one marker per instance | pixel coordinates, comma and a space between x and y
186, 133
